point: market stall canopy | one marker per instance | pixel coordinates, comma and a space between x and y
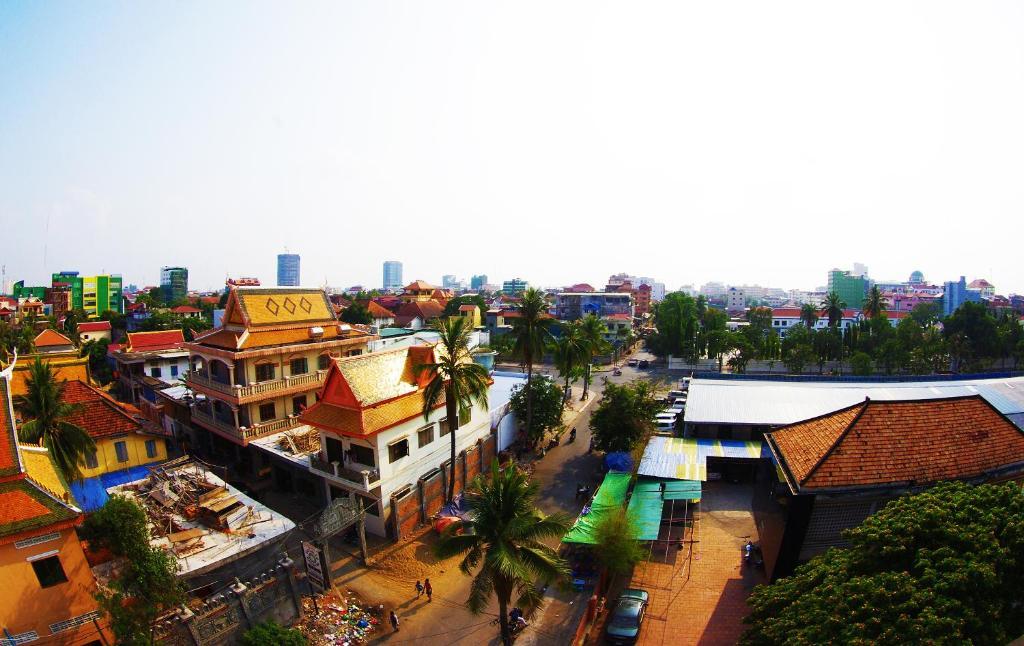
647, 504
685, 458
609, 498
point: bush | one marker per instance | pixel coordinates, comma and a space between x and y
617, 548
270, 633
861, 364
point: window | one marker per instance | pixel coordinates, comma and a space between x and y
174, 370
323, 362
264, 371
90, 460
464, 416
154, 372
49, 571
398, 450
267, 412
425, 436
122, 451
445, 428
298, 404
362, 455
299, 366
150, 448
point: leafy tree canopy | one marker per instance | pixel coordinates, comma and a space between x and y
547, 406
452, 307
617, 547
356, 313
271, 633
624, 417
944, 567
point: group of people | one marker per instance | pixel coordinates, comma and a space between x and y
422, 588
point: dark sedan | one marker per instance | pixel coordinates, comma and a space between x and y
624, 622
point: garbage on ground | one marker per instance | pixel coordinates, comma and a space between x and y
342, 620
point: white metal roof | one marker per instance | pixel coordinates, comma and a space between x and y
752, 401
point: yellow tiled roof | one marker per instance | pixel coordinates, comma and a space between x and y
279, 306
39, 467
377, 376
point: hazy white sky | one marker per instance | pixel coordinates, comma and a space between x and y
557, 141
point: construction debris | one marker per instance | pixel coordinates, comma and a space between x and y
342, 620
300, 442
200, 519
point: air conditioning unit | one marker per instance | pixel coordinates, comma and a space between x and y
316, 331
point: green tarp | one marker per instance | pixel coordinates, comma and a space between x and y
648, 503
609, 498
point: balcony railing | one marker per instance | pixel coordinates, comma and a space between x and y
366, 478
250, 432
261, 388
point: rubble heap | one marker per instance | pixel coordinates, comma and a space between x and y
342, 620
300, 443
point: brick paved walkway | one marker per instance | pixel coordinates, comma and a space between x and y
699, 596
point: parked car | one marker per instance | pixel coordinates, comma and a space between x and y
632, 362
644, 363
673, 395
627, 616
678, 405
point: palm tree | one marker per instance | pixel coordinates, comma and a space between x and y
531, 331
875, 303
454, 378
593, 330
503, 537
834, 307
67, 442
809, 315
569, 351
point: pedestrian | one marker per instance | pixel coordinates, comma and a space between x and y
428, 589
394, 620
419, 589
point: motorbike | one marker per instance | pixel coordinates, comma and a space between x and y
553, 443
617, 372
752, 555
572, 436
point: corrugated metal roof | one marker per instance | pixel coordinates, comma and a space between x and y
767, 402
682, 458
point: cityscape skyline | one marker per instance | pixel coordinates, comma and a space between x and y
726, 175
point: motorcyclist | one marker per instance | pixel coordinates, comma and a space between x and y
572, 434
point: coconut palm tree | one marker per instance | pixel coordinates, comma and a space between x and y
453, 378
875, 303
48, 423
834, 307
502, 541
809, 315
592, 330
531, 331
569, 351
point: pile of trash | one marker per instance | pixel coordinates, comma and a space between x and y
342, 620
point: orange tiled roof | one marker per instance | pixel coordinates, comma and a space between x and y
348, 421
99, 415
63, 370
418, 285
49, 338
152, 341
24, 506
185, 309
378, 311
876, 443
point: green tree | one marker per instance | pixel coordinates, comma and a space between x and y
617, 547
99, 368
547, 406
453, 379
798, 348
503, 541
973, 337
592, 332
676, 321
147, 583
356, 314
271, 633
451, 308
940, 567
808, 315
861, 364
192, 327
531, 332
569, 353
47, 421
624, 418
926, 314
834, 306
875, 303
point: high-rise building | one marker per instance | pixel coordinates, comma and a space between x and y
392, 275
94, 294
288, 270
851, 288
956, 294
514, 286
173, 283
860, 269
449, 281
478, 281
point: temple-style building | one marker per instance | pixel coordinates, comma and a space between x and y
254, 375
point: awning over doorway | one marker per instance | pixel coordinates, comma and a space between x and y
647, 504
682, 458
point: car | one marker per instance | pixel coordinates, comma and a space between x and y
626, 617
678, 405
676, 394
644, 363
632, 362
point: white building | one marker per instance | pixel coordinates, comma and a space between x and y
375, 441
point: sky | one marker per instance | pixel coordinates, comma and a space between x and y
560, 142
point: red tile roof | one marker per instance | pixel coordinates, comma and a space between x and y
379, 311
99, 415
876, 443
185, 309
49, 338
159, 340
94, 326
418, 285
9, 462
794, 313
467, 307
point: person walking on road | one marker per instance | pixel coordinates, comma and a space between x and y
419, 589
394, 620
428, 589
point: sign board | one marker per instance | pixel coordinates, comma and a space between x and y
314, 564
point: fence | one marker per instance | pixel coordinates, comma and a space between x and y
224, 617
